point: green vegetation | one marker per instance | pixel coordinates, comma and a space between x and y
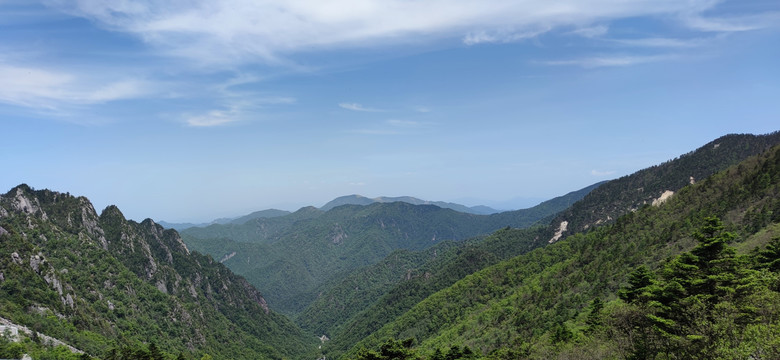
103, 283
701, 301
694, 277
290, 258
620, 196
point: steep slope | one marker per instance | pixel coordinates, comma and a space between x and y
347, 314
290, 257
526, 305
103, 282
618, 197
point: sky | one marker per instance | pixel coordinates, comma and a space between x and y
192, 110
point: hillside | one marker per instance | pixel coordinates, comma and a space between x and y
290, 257
262, 214
362, 200
106, 284
540, 304
620, 196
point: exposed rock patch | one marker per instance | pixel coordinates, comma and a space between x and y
227, 257
665, 196
559, 232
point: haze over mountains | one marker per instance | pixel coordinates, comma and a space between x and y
516, 284
342, 200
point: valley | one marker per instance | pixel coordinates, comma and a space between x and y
418, 281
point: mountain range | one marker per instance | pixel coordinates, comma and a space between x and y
679, 260
342, 200
291, 256
362, 200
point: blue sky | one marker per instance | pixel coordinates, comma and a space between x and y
192, 110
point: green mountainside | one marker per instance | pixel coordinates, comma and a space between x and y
362, 200
110, 286
262, 214
690, 294
349, 311
677, 261
620, 196
290, 257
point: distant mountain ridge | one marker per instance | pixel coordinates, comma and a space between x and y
262, 214
362, 200
289, 257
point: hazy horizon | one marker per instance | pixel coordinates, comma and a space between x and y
187, 112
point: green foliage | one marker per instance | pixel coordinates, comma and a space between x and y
524, 305
628, 193
103, 284
295, 258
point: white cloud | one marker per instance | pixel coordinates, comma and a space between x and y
609, 61
358, 107
213, 118
661, 42
734, 23
503, 36
241, 31
52, 89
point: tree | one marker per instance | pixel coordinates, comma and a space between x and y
594, 319
638, 282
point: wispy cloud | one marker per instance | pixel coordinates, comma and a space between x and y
237, 107
502, 36
213, 118
609, 61
358, 107
602, 173
734, 23
231, 32
658, 42
591, 32
52, 89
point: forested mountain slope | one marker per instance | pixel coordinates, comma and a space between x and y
620, 196
111, 286
290, 257
362, 200
541, 304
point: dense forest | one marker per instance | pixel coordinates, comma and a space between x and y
693, 275
666, 281
102, 283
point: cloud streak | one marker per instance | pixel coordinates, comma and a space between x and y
610, 61
243, 31
358, 107
35, 87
